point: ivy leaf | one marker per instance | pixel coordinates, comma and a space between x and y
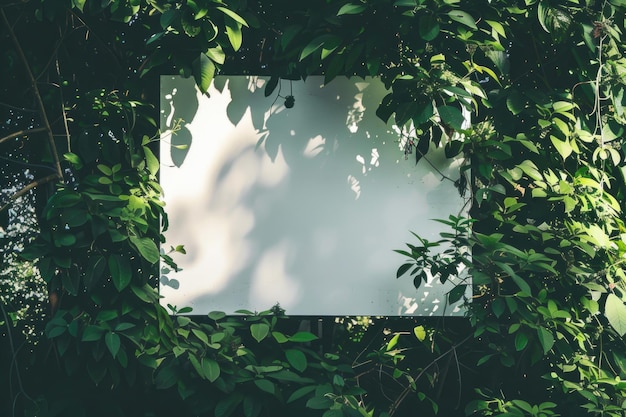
615, 312
120, 271
146, 248
259, 331
463, 18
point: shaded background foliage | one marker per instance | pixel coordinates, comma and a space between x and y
544, 82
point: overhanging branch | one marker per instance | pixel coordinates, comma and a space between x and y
42, 109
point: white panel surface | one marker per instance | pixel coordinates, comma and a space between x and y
300, 206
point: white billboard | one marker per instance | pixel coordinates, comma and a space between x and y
299, 206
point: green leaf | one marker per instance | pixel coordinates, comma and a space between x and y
235, 36
279, 337
456, 293
402, 270
351, 9
420, 333
79, 4
319, 403
515, 102
562, 146
151, 161
259, 331
92, 333
217, 54
428, 27
546, 339
166, 376
228, 404
302, 337
451, 116
217, 315
121, 273
203, 71
265, 385
300, 392
55, 331
200, 335
463, 18
521, 340
405, 3
146, 248
297, 359
73, 159
211, 369
521, 283
314, 45
112, 340
233, 15
615, 312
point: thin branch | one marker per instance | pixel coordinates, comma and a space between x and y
10, 106
27, 188
22, 133
402, 396
42, 109
67, 130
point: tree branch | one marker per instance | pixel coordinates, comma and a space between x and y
42, 109
29, 187
21, 133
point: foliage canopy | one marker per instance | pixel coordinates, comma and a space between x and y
544, 83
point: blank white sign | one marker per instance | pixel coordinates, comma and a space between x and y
301, 206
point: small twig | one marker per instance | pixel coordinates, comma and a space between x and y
67, 130
22, 133
402, 396
10, 106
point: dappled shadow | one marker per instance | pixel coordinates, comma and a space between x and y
300, 206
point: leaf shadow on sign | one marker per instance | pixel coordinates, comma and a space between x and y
179, 105
296, 205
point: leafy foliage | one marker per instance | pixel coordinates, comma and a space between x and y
542, 84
